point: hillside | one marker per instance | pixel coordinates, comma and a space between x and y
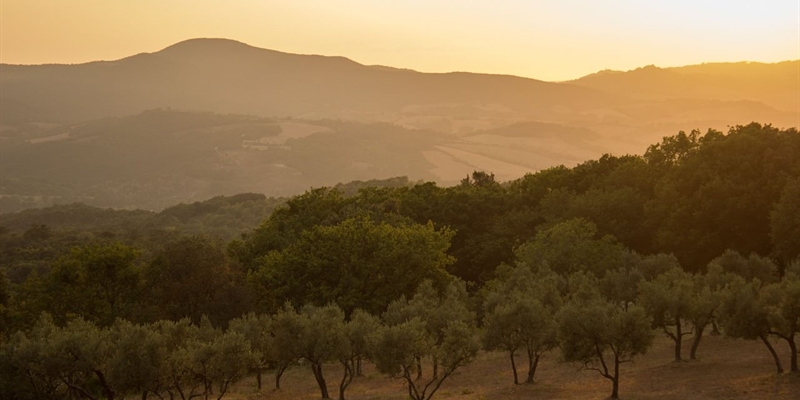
775, 85
211, 117
161, 157
225, 76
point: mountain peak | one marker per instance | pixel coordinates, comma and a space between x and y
203, 47
206, 43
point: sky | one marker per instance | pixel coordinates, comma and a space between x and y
548, 40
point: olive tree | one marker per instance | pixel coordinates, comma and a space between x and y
396, 348
322, 339
667, 299
601, 334
705, 302
520, 315
783, 305
435, 310
256, 328
744, 314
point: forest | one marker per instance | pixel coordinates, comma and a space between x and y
699, 235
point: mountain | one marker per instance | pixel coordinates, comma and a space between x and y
225, 76
776, 85
210, 117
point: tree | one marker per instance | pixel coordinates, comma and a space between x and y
179, 379
651, 266
395, 349
705, 301
360, 327
190, 277
719, 181
257, 330
745, 315
622, 285
785, 222
590, 327
752, 267
200, 360
519, 313
572, 246
436, 311
80, 349
783, 304
136, 359
222, 361
286, 328
27, 372
98, 282
668, 300
356, 264
322, 339
317, 207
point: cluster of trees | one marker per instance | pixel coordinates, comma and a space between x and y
600, 319
557, 259
184, 360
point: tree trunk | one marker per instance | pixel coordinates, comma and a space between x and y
435, 368
144, 395
258, 378
615, 381
323, 388
533, 362
772, 351
349, 372
419, 367
793, 347
514, 367
696, 343
678, 339
359, 371
107, 391
278, 377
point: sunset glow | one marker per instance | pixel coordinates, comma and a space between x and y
544, 40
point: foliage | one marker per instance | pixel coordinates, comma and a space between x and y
572, 246
396, 348
785, 222
520, 315
357, 263
600, 334
99, 282
668, 301
190, 277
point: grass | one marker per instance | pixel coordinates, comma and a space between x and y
726, 369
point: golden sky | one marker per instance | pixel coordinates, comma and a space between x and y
543, 39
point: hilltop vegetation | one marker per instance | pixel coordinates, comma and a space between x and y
415, 279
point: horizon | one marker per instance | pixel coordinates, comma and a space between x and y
552, 42
412, 69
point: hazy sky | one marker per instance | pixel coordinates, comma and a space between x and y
543, 39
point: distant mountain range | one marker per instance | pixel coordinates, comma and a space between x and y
84, 133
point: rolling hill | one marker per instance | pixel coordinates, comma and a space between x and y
210, 117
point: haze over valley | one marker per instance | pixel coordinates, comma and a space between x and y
207, 117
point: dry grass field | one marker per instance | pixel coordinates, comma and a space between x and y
727, 369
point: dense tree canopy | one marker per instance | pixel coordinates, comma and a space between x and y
357, 263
